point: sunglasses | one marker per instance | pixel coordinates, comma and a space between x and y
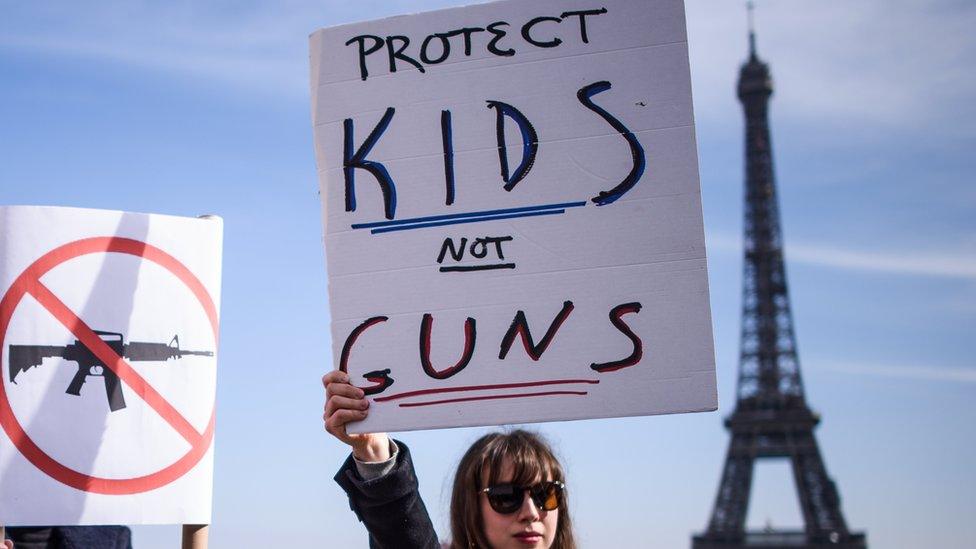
505, 499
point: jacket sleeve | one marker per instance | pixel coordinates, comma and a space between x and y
390, 506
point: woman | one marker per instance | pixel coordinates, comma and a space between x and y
508, 491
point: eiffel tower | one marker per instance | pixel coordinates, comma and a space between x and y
771, 417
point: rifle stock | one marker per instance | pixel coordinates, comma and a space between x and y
25, 357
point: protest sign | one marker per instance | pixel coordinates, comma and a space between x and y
512, 213
108, 341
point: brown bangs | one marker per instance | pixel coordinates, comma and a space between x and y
530, 461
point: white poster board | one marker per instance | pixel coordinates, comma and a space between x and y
512, 213
108, 332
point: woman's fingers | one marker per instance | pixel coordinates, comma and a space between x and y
335, 376
343, 389
335, 423
337, 383
343, 403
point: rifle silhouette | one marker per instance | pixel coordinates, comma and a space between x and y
25, 357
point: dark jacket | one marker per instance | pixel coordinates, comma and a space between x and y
390, 506
71, 537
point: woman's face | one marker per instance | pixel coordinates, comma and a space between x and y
527, 528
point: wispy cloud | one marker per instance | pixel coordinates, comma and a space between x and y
887, 63
259, 47
915, 263
897, 63
926, 373
919, 263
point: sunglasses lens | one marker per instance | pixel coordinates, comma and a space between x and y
505, 498
546, 496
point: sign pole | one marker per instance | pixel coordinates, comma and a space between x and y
195, 536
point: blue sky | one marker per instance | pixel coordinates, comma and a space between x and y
184, 109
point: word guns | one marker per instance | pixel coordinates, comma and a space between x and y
24, 357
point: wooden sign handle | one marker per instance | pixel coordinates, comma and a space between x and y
195, 536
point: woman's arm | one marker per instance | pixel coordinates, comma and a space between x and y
345, 403
388, 503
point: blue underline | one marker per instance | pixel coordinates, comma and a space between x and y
484, 213
461, 221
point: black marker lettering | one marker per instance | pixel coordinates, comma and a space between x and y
636, 150
637, 353
352, 161
484, 242
484, 248
364, 51
470, 337
467, 32
499, 34
445, 48
497, 241
582, 19
530, 142
381, 377
447, 141
526, 28
448, 247
398, 53
520, 326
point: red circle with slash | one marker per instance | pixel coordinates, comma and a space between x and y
29, 282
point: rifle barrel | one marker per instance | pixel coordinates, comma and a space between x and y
197, 353
157, 352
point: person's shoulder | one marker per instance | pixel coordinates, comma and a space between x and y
104, 537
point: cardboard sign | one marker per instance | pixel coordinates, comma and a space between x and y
108, 333
513, 214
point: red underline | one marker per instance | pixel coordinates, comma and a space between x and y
490, 397
483, 388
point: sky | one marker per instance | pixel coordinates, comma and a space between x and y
187, 108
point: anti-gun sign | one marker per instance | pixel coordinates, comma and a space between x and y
108, 333
512, 213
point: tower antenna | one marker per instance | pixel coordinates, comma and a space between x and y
750, 8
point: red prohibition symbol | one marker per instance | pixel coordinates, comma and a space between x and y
29, 282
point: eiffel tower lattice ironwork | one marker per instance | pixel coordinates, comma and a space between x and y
771, 417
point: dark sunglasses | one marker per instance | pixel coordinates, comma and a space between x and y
505, 499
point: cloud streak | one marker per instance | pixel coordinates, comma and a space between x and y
887, 62
941, 264
925, 373
260, 47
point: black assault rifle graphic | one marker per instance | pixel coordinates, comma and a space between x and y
24, 357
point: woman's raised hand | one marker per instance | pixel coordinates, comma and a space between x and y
345, 403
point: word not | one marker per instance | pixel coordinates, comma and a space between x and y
354, 158
397, 45
518, 329
479, 250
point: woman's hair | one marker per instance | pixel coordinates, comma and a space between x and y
532, 461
